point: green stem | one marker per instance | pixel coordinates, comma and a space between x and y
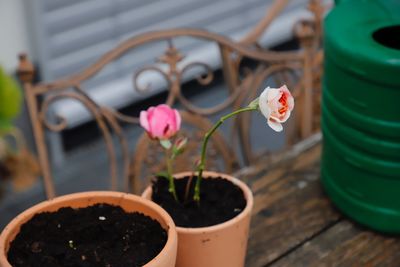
171, 187
201, 166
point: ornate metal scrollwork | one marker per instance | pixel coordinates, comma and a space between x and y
172, 67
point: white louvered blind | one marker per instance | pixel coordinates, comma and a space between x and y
69, 35
72, 34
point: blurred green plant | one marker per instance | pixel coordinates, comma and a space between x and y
16, 161
10, 101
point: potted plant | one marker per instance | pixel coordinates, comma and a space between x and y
90, 229
212, 214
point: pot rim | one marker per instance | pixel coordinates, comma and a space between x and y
248, 194
30, 212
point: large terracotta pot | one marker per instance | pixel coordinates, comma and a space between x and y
220, 245
129, 202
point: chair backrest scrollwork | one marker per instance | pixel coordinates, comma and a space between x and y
242, 86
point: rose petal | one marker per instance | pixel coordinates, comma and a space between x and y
284, 89
263, 103
273, 94
276, 126
289, 97
280, 117
285, 117
273, 100
275, 109
144, 121
159, 122
169, 120
290, 102
178, 120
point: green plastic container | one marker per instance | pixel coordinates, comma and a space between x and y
360, 167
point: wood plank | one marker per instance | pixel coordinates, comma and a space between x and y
269, 161
290, 208
346, 244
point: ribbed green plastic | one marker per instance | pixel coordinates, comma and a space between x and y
360, 167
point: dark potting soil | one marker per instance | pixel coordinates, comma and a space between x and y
99, 235
220, 201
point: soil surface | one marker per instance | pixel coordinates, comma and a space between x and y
220, 201
99, 235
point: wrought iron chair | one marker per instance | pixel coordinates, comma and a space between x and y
295, 67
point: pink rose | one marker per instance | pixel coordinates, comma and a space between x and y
276, 105
160, 122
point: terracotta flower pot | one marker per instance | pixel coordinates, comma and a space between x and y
129, 202
219, 245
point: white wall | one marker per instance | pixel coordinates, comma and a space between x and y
13, 33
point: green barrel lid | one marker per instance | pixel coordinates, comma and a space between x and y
363, 37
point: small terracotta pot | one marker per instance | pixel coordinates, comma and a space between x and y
129, 202
220, 245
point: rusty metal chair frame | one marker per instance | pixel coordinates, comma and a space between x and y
242, 87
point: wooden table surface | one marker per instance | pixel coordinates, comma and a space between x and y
295, 224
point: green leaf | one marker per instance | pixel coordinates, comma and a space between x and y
10, 99
181, 143
179, 146
254, 103
166, 144
176, 152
